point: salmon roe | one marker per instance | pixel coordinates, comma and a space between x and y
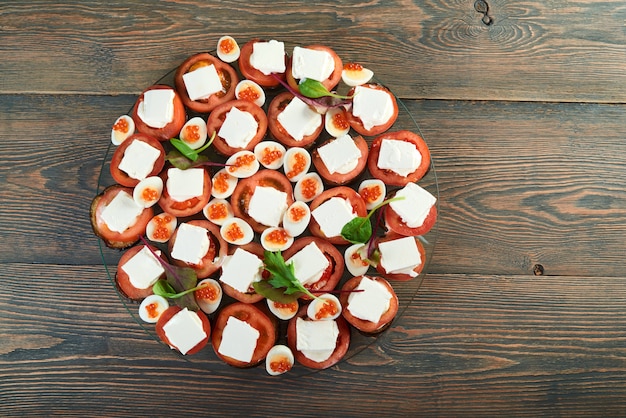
270, 155
277, 236
296, 213
121, 125
241, 161
249, 93
280, 364
208, 292
149, 194
370, 194
356, 257
162, 230
339, 121
227, 45
353, 66
220, 182
299, 163
217, 211
234, 232
309, 189
152, 309
328, 309
192, 133
292, 306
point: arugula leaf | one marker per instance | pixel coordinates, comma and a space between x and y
282, 275
359, 229
187, 151
314, 89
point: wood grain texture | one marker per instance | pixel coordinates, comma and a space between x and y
555, 50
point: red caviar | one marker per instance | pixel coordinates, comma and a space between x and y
192, 133
121, 125
241, 161
309, 188
234, 233
339, 121
296, 213
353, 66
280, 364
356, 257
370, 194
217, 211
152, 309
162, 230
277, 236
328, 309
150, 194
249, 93
298, 165
270, 155
208, 292
227, 45
220, 182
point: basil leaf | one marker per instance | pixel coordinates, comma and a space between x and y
358, 230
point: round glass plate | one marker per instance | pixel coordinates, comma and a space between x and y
405, 290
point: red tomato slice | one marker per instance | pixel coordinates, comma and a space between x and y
338, 178
343, 342
170, 130
402, 277
227, 74
394, 222
334, 78
252, 73
254, 316
218, 249
357, 124
358, 207
331, 277
250, 296
169, 313
123, 280
364, 325
240, 199
277, 105
120, 176
111, 238
188, 207
218, 116
390, 177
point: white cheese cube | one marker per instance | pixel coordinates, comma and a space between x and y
239, 340
401, 157
415, 206
341, 155
202, 82
400, 256
267, 205
185, 184
238, 128
299, 120
373, 106
332, 215
121, 213
241, 270
311, 63
371, 302
309, 264
316, 339
268, 57
192, 243
143, 269
157, 107
184, 330
138, 160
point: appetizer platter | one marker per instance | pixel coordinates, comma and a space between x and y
271, 205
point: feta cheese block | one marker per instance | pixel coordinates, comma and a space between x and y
332, 215
373, 106
316, 339
311, 63
267, 205
340, 155
185, 184
401, 157
238, 128
202, 82
370, 301
192, 243
121, 213
299, 120
309, 264
184, 330
157, 107
268, 57
400, 256
241, 269
138, 160
143, 269
239, 340
415, 206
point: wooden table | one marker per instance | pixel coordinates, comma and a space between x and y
522, 311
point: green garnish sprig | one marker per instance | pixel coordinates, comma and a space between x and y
359, 229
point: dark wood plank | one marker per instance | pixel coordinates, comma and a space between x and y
468, 345
556, 51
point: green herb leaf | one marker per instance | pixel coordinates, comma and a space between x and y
187, 151
178, 160
314, 89
282, 275
359, 229
275, 294
165, 289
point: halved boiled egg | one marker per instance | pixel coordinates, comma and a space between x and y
324, 307
161, 227
148, 191
296, 218
308, 187
236, 231
250, 91
152, 307
228, 49
209, 296
336, 123
242, 164
223, 184
296, 163
373, 192
276, 239
284, 311
218, 211
270, 154
356, 259
194, 132
355, 74
123, 127
279, 360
